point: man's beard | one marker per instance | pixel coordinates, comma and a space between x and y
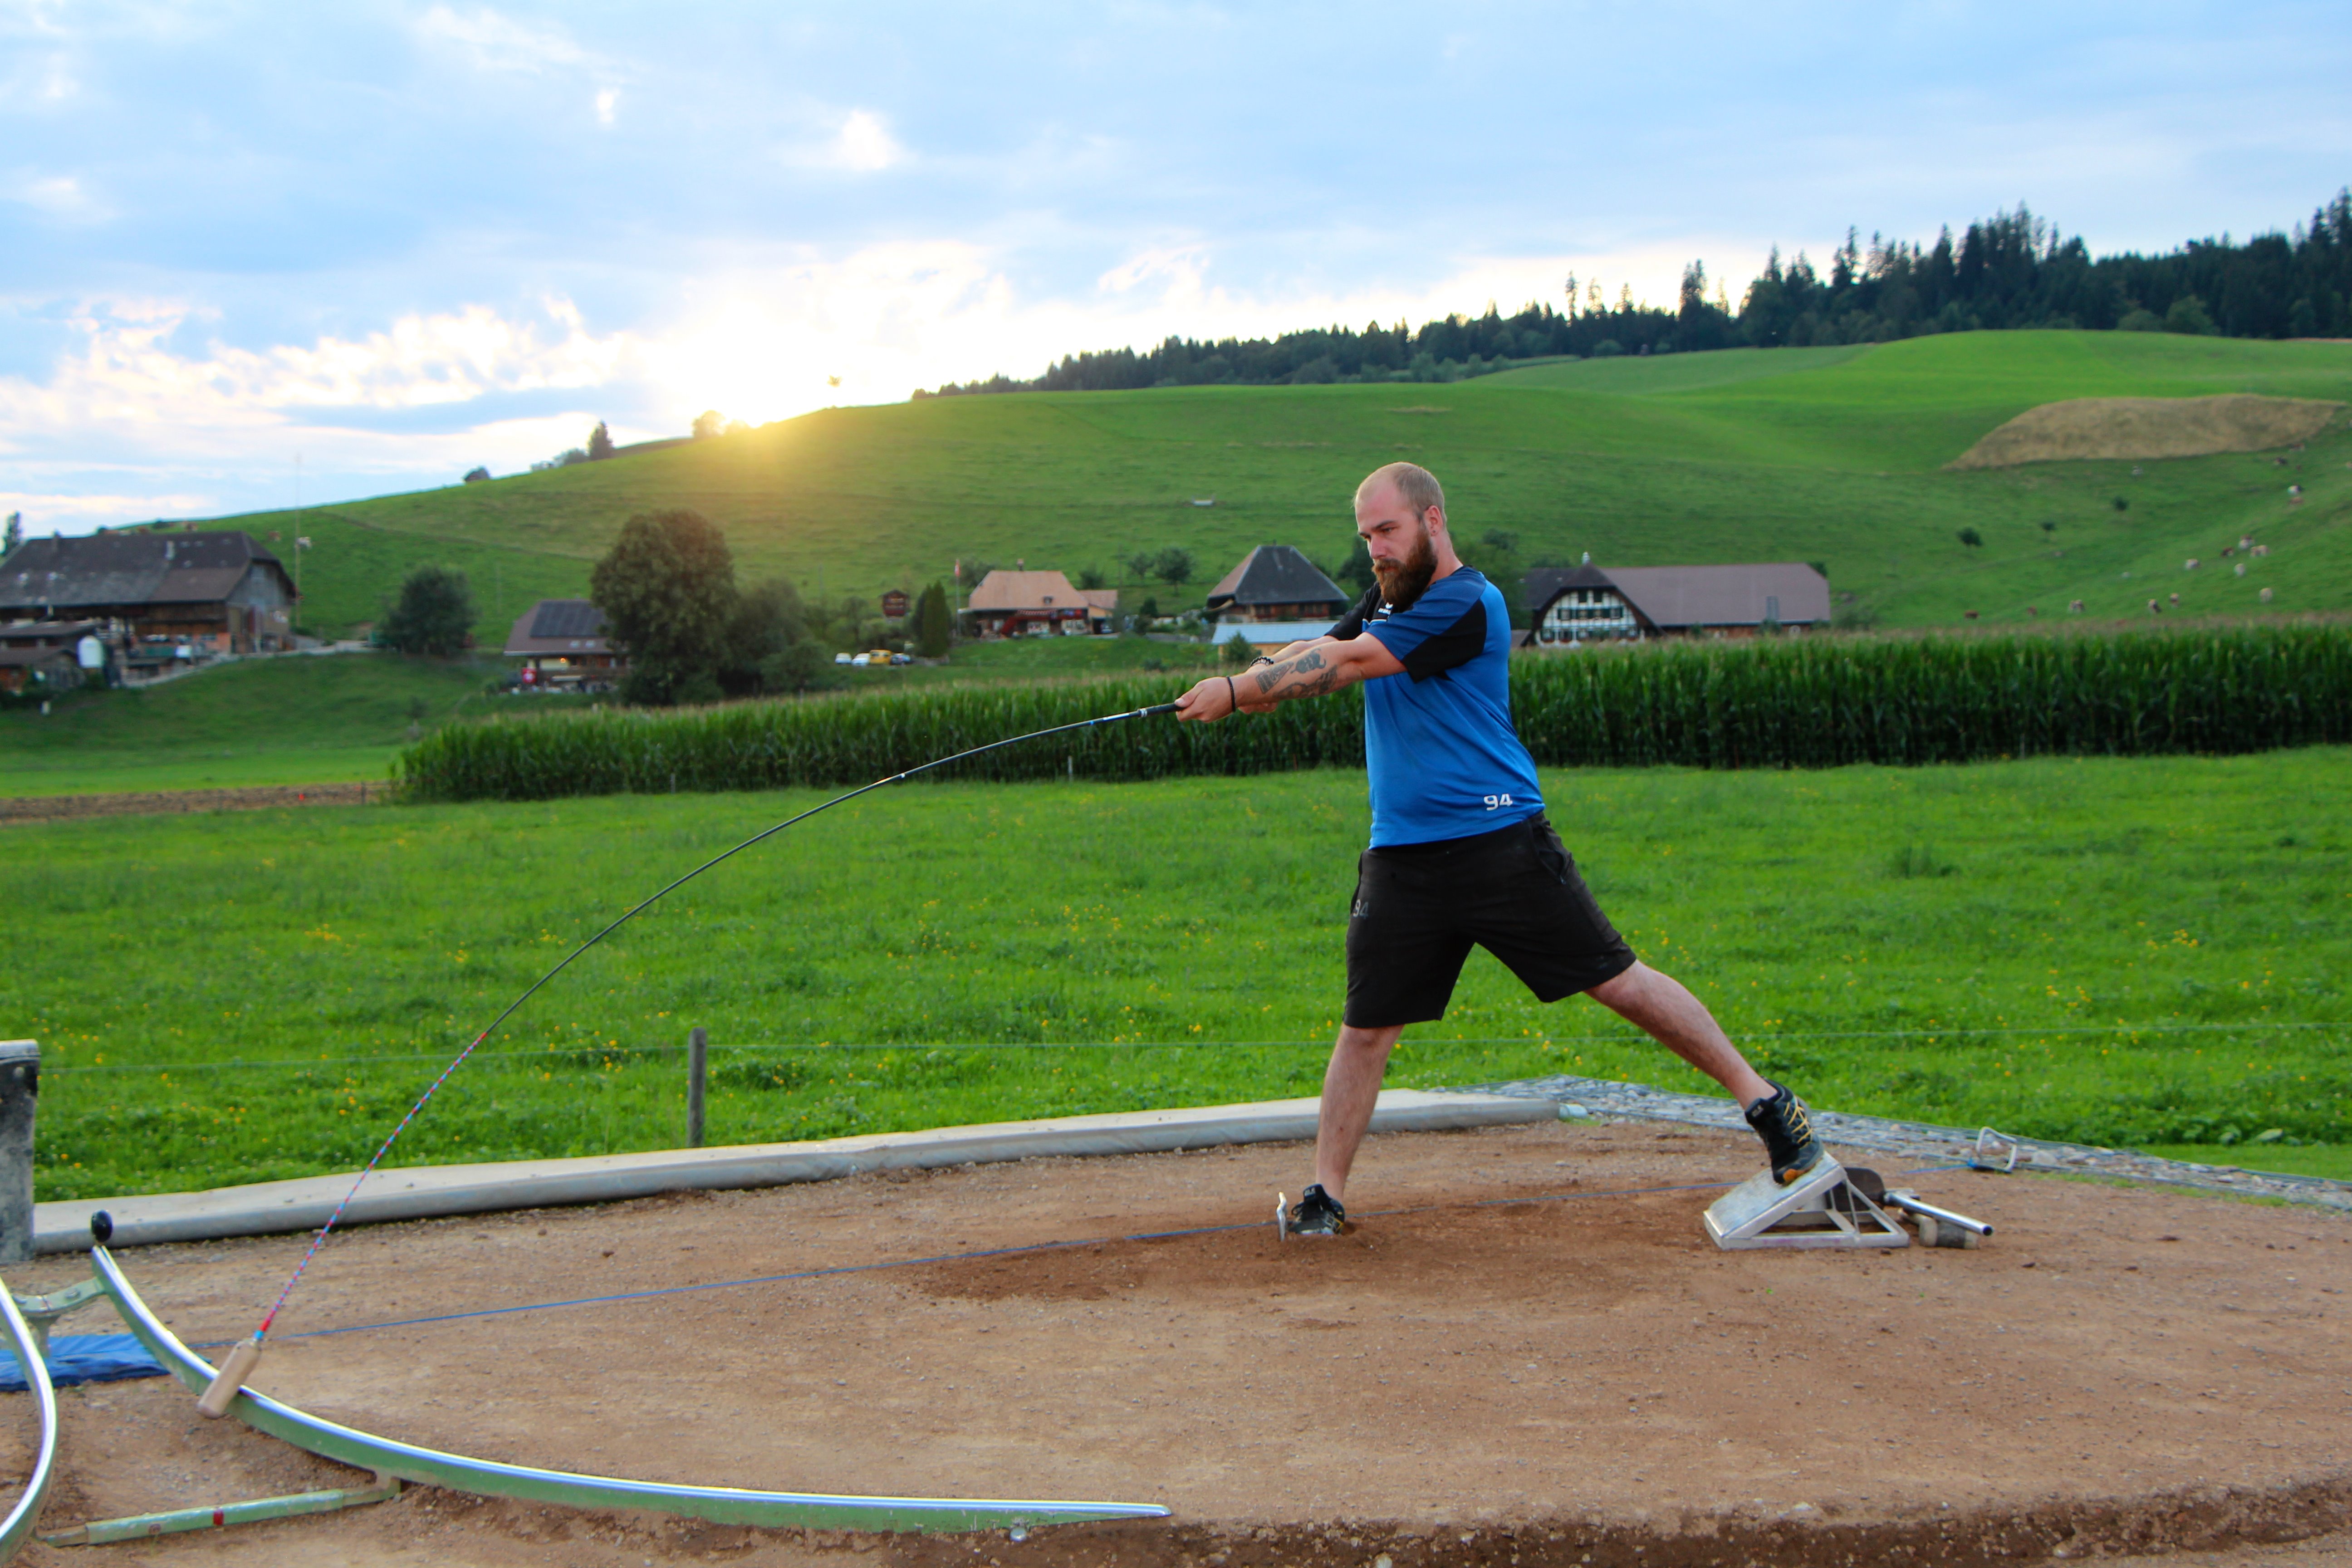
1402, 582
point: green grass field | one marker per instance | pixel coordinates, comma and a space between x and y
2146, 952
333, 718
1831, 454
316, 720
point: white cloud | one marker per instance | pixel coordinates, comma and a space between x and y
78, 512
864, 144
127, 385
60, 196
495, 43
606, 101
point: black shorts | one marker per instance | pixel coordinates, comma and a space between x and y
1514, 891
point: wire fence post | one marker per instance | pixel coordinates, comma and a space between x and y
698, 1063
20, 1088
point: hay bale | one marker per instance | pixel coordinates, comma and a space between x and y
2112, 427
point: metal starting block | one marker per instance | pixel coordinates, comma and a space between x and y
1822, 1208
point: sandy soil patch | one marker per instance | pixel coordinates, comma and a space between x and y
1524, 1353
2148, 428
144, 802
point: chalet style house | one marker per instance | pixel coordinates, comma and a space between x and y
1275, 596
1585, 604
1038, 604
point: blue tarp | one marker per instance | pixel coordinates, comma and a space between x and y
84, 1358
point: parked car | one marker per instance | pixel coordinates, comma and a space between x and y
841, 659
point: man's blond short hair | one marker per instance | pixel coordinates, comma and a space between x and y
1415, 486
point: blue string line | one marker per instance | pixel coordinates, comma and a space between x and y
990, 1252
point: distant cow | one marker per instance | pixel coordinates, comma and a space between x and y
2266, 595
2191, 564
2074, 608
2154, 608
2260, 550
2176, 598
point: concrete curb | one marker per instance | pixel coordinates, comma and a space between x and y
425, 1191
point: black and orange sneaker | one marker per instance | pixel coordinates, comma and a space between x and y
1788, 1133
1316, 1214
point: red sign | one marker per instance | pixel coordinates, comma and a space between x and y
894, 605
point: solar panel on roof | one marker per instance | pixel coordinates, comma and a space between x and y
568, 618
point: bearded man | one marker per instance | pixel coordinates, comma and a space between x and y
1461, 852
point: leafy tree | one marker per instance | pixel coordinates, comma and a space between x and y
667, 591
478, 476
2121, 504
1354, 572
797, 667
14, 534
1971, 537
1235, 652
1138, 565
1497, 557
435, 614
766, 619
710, 422
2049, 527
599, 443
934, 622
1174, 566
1092, 577
2189, 315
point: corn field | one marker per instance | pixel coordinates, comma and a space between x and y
1769, 704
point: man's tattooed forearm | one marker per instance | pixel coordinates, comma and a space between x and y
1268, 680
1308, 675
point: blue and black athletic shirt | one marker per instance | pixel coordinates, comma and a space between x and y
1439, 746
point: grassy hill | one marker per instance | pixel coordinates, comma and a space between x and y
1829, 455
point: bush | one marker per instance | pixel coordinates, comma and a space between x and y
1782, 702
1236, 652
2189, 315
435, 614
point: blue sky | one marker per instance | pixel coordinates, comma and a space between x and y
372, 245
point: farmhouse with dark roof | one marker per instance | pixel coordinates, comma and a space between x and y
220, 592
1585, 604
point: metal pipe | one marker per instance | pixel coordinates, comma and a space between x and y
697, 1070
19, 1524
489, 1478
1911, 1202
139, 1526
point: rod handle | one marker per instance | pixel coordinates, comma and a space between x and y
234, 1368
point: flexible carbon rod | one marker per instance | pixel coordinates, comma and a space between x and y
369, 1169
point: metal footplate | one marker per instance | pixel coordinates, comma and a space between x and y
1822, 1208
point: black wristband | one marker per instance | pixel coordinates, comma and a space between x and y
1230, 695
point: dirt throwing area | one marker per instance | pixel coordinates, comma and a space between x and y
1516, 1358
